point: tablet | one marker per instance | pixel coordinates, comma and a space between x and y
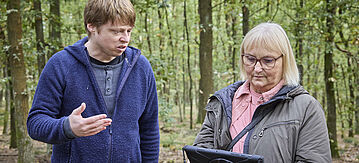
204, 155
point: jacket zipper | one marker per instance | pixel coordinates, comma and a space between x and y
260, 134
118, 90
110, 152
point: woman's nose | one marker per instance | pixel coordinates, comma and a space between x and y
258, 66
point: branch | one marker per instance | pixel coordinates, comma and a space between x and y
276, 11
288, 14
219, 4
257, 11
349, 54
196, 41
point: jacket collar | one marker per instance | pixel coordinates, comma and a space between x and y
78, 51
225, 96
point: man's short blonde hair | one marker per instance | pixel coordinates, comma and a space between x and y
272, 37
99, 12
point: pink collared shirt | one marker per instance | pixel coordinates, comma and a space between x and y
244, 104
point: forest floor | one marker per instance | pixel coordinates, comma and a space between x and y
172, 140
174, 135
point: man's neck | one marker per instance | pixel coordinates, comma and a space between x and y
94, 52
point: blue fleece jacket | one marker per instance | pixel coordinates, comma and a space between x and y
68, 80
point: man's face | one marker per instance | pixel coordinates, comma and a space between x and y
109, 40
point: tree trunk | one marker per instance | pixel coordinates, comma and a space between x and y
181, 110
148, 34
6, 90
299, 39
160, 29
7, 102
171, 60
55, 27
18, 73
231, 30
328, 78
205, 54
1, 96
170, 35
2, 43
162, 57
341, 111
40, 43
351, 98
357, 98
13, 143
188, 64
316, 59
229, 24
245, 30
245, 12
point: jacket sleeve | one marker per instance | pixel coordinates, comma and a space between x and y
313, 141
205, 137
44, 122
148, 123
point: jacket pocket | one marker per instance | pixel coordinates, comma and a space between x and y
277, 124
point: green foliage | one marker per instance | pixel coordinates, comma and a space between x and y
165, 110
168, 54
354, 141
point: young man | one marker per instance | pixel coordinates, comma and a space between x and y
96, 100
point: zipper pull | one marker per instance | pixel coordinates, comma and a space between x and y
110, 129
261, 132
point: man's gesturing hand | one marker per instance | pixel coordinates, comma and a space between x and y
87, 126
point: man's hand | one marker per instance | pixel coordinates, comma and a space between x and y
87, 126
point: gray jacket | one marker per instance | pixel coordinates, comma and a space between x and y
294, 130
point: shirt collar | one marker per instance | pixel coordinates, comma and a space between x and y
269, 94
244, 89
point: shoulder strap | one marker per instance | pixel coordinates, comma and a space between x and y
250, 126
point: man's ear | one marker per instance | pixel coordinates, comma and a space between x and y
91, 28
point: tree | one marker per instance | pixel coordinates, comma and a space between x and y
357, 98
299, 37
39, 36
18, 73
345, 18
147, 31
55, 27
328, 77
231, 30
245, 12
7, 102
205, 56
6, 84
11, 105
188, 63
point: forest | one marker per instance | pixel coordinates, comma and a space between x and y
193, 47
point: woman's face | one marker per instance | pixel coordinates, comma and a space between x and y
263, 79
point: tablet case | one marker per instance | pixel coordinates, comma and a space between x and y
204, 155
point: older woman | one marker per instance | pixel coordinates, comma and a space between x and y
291, 123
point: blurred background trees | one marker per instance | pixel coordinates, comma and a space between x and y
193, 47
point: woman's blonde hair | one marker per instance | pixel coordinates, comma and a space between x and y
99, 12
272, 37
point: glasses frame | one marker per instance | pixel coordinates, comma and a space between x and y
260, 61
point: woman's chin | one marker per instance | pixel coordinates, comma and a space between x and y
259, 87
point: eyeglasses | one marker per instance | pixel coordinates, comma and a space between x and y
267, 63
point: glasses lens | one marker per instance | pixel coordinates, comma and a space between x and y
249, 60
268, 62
